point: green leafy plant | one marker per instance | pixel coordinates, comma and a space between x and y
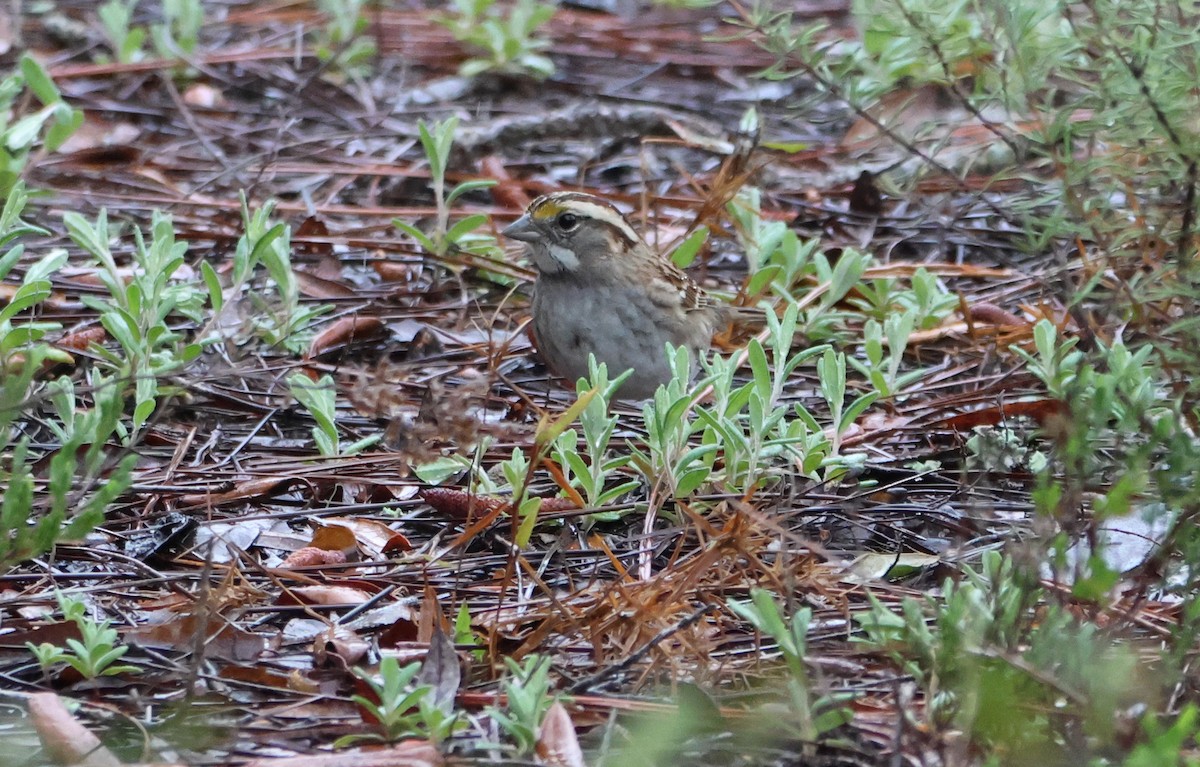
756, 433
176, 36
1166, 743
401, 707
1000, 660
464, 634
142, 299
19, 339
124, 38
1055, 362
743, 436
341, 40
179, 32
991, 661
779, 262
283, 321
1120, 449
669, 454
438, 141
592, 468
882, 368
509, 43
831, 372
776, 257
73, 499
926, 300
94, 654
527, 698
320, 399
49, 126
517, 469
812, 718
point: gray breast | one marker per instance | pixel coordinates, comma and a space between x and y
620, 326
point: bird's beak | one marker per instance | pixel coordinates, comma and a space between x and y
522, 229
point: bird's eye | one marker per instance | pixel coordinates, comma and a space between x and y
568, 221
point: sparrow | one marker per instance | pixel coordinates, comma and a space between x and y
602, 290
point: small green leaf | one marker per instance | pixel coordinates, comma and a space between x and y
856, 409
686, 253
528, 514
789, 147
39, 81
63, 128
266, 241
25, 131
421, 238
212, 282
469, 186
465, 226
548, 432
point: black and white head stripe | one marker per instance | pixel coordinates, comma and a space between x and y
549, 206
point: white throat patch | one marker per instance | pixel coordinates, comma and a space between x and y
565, 258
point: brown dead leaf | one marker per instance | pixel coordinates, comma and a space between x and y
254, 673
877, 422
335, 538
301, 683
313, 286
245, 491
990, 314
8, 34
430, 617
98, 133
1042, 411
65, 740
441, 671
56, 633
324, 595
557, 743
394, 271
349, 648
398, 543
373, 537
312, 239
345, 332
311, 556
82, 339
865, 197
178, 632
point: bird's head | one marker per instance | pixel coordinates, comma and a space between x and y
570, 232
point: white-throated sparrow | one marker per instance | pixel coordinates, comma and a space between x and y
602, 289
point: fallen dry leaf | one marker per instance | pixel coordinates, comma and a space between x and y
65, 740
310, 556
557, 743
325, 595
